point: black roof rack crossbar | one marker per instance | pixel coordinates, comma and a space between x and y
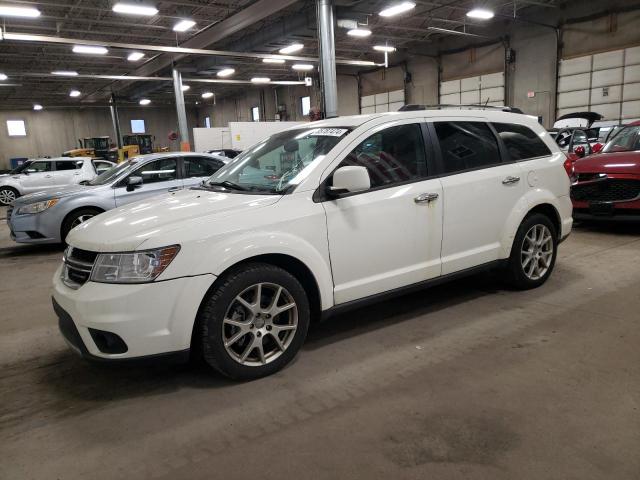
413, 107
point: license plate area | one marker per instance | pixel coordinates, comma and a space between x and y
601, 209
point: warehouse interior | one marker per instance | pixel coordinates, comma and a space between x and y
467, 379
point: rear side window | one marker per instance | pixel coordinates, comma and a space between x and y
466, 145
201, 166
68, 165
521, 142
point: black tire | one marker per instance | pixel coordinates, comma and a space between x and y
210, 336
515, 273
7, 192
70, 219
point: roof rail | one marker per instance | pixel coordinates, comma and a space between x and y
413, 107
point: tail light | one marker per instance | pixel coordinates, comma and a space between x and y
597, 148
568, 167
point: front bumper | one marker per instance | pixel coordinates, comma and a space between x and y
152, 319
35, 228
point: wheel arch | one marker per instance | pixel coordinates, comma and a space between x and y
74, 210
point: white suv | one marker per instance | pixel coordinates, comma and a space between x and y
314, 220
47, 173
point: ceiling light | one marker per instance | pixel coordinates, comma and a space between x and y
144, 101
135, 9
90, 49
359, 32
135, 56
3, 76
207, 95
302, 66
295, 47
74, 93
225, 72
480, 14
273, 60
384, 48
37, 106
397, 9
65, 73
9, 11
260, 80
185, 88
183, 25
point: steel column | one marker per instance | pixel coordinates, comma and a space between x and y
326, 43
182, 112
116, 120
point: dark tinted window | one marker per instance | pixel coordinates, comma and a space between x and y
521, 141
466, 145
201, 166
158, 171
391, 156
68, 165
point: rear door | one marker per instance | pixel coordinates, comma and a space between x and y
158, 176
67, 172
480, 192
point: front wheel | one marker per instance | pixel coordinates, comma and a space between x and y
254, 322
533, 254
76, 218
8, 195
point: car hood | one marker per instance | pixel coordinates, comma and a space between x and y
126, 228
52, 193
618, 162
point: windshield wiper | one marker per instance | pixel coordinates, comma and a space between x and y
226, 184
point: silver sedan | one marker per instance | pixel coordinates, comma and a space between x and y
48, 216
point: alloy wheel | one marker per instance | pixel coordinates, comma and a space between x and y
7, 196
537, 252
80, 219
260, 324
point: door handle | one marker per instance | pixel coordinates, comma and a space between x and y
510, 180
48, 176
173, 189
426, 198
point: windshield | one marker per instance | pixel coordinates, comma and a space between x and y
626, 140
21, 168
111, 174
277, 163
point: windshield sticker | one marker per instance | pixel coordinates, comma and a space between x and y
328, 132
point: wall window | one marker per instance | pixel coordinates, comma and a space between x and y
255, 114
16, 128
137, 126
207, 122
305, 102
521, 141
394, 155
466, 145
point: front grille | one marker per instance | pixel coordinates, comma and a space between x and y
606, 190
77, 267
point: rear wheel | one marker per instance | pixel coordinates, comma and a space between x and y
533, 254
76, 218
254, 322
8, 195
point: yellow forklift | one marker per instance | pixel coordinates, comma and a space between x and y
143, 141
99, 147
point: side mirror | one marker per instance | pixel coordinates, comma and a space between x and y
133, 182
580, 151
349, 180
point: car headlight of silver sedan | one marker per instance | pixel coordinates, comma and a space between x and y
133, 267
36, 207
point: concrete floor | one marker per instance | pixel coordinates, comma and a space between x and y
467, 380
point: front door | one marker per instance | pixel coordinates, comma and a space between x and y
390, 235
158, 176
38, 177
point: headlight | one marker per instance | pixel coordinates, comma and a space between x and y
36, 207
133, 267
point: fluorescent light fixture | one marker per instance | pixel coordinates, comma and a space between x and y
302, 66
65, 73
273, 60
135, 9
185, 88
24, 12
480, 14
183, 25
293, 48
225, 72
135, 56
3, 76
207, 95
397, 9
359, 32
144, 101
90, 49
384, 48
260, 80
37, 106
74, 93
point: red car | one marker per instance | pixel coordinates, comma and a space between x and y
606, 185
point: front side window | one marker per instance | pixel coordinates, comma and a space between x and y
466, 145
66, 165
113, 173
521, 142
39, 167
392, 156
626, 140
161, 170
201, 166
277, 163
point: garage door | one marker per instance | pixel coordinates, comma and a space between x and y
481, 89
607, 83
382, 102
